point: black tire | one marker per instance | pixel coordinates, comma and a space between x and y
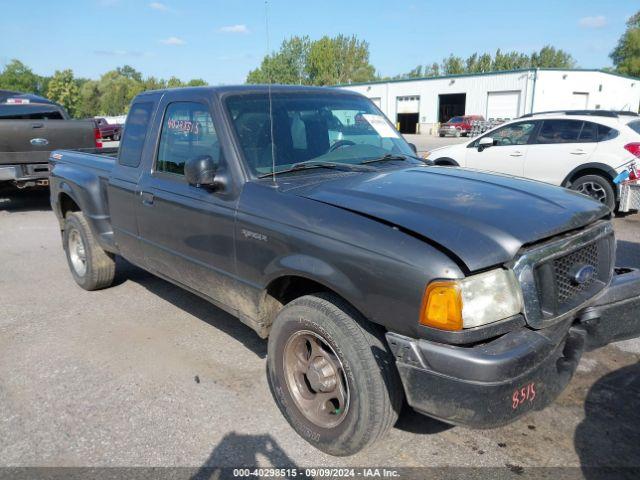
374, 390
597, 187
99, 266
442, 135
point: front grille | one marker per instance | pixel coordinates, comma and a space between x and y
552, 274
564, 269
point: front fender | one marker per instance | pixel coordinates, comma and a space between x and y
317, 270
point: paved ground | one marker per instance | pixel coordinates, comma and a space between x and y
429, 142
146, 374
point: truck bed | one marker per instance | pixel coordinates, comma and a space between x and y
101, 159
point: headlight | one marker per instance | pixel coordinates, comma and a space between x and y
471, 301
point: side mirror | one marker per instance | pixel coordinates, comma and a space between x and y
414, 148
201, 171
485, 142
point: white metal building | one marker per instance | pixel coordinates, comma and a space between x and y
420, 104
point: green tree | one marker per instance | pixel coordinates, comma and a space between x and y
327, 61
286, 66
89, 99
153, 83
175, 82
484, 63
196, 82
17, 76
453, 65
64, 90
550, 57
337, 60
116, 92
626, 55
129, 72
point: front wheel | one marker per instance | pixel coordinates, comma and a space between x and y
596, 187
92, 268
332, 375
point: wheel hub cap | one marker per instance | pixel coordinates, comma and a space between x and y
321, 375
77, 253
316, 379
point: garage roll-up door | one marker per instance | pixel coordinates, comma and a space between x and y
503, 104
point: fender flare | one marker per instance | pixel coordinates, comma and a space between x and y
450, 162
608, 172
604, 168
315, 270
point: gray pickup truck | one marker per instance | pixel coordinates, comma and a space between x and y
375, 276
30, 129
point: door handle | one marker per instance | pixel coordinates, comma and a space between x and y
578, 152
39, 142
37, 125
516, 154
147, 198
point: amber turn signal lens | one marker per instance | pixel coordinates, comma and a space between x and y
442, 306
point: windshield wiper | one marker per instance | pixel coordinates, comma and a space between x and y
309, 164
389, 157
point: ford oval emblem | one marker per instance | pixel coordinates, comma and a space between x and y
583, 273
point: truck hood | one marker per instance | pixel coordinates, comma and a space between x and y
483, 219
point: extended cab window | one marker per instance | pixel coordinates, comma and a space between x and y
635, 126
187, 132
135, 134
559, 131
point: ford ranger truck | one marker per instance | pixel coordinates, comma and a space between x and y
375, 277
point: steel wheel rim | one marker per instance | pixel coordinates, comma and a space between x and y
593, 190
316, 379
77, 253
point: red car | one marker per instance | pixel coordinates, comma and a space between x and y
108, 130
458, 126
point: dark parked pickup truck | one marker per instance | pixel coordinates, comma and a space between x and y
375, 276
30, 129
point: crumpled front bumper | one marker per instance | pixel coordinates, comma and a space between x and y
493, 383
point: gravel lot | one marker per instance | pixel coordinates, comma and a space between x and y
145, 374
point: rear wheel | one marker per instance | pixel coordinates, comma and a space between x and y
597, 187
332, 375
92, 268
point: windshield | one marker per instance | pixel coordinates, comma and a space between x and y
456, 120
320, 127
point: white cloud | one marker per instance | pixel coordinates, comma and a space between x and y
240, 28
173, 41
159, 6
597, 21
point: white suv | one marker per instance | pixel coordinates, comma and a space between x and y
581, 150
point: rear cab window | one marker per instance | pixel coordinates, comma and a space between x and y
30, 112
135, 134
187, 132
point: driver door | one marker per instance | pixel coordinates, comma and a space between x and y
508, 153
187, 232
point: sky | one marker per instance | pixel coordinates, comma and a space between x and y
221, 40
